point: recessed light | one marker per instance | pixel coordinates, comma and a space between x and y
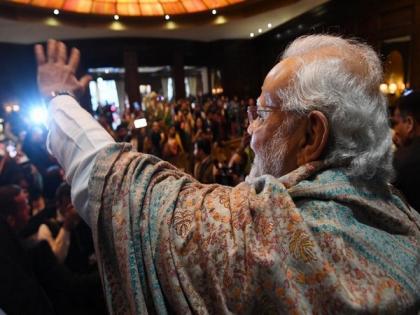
214, 11
269, 25
251, 34
56, 12
259, 30
167, 17
116, 17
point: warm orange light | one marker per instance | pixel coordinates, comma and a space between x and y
131, 7
383, 88
392, 88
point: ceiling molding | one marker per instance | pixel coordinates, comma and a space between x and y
128, 7
23, 26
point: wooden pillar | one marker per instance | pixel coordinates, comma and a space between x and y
178, 74
132, 80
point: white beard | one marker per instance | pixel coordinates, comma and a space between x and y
270, 159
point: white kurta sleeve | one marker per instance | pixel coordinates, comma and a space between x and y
74, 139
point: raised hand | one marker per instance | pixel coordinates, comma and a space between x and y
57, 70
71, 218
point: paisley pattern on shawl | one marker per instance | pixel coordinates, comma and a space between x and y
312, 241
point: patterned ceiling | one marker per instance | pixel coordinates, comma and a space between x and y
131, 7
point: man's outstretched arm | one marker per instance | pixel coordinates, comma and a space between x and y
74, 137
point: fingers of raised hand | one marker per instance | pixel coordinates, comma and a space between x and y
74, 59
52, 51
84, 81
39, 54
61, 53
56, 53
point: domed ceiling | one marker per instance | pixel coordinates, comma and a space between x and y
131, 7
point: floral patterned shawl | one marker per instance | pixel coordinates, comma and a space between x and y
309, 242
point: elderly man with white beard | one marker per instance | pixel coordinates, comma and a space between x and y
315, 228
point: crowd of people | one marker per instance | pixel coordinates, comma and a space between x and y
207, 139
161, 241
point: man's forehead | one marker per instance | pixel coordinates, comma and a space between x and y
278, 78
280, 75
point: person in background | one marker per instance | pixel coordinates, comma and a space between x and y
239, 163
157, 138
32, 280
406, 121
20, 289
81, 254
173, 151
122, 133
315, 228
200, 131
204, 168
52, 180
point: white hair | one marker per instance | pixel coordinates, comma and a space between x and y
342, 81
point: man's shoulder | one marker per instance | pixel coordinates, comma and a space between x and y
325, 185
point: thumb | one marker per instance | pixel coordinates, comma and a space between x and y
84, 81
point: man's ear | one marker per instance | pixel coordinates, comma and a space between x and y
316, 138
410, 123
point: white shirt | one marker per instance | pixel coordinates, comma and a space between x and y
74, 139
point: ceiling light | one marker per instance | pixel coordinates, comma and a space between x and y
269, 25
117, 26
170, 25
251, 34
259, 30
214, 12
167, 17
116, 17
56, 12
52, 21
220, 20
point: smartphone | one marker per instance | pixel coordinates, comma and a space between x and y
140, 123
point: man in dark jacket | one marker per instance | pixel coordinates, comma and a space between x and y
20, 290
204, 169
31, 279
406, 121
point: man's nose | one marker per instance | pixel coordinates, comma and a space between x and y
395, 139
251, 127
249, 130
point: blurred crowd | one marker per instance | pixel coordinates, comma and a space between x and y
205, 138
50, 259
